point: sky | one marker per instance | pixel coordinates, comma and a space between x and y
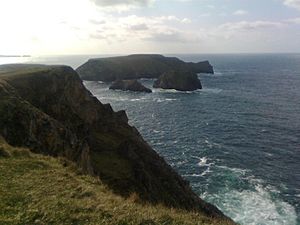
46, 27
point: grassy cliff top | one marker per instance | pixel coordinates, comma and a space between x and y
19, 69
36, 189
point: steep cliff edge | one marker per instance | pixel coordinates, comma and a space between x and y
48, 110
178, 80
48, 190
129, 85
137, 66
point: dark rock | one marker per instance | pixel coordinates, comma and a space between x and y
48, 110
201, 67
122, 115
129, 85
136, 66
179, 80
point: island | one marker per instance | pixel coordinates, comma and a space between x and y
66, 158
137, 66
129, 85
178, 80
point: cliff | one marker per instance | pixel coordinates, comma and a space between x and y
178, 80
136, 66
129, 85
47, 190
48, 110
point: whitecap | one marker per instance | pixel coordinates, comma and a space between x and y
257, 207
237, 171
164, 99
212, 90
160, 90
218, 73
206, 172
202, 161
137, 99
257, 204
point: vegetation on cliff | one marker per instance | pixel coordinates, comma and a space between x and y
36, 189
48, 110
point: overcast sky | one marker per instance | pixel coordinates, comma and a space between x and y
148, 26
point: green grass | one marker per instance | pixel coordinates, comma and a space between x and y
36, 189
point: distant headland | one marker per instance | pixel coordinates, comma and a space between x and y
171, 72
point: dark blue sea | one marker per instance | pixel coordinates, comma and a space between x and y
237, 141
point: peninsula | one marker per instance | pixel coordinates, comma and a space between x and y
137, 66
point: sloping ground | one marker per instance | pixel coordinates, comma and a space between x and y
36, 189
137, 66
48, 110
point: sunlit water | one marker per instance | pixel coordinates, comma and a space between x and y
237, 141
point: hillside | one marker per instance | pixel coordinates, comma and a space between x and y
46, 190
137, 66
48, 110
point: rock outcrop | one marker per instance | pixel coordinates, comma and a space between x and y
48, 110
129, 85
136, 66
178, 80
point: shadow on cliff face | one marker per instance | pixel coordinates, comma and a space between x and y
47, 109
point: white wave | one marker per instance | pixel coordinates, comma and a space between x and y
206, 171
160, 90
147, 79
202, 162
257, 205
164, 99
218, 73
252, 207
137, 99
237, 171
212, 90
121, 99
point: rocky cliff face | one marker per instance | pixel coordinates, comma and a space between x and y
129, 85
178, 80
48, 110
136, 66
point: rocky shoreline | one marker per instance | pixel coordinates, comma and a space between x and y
48, 110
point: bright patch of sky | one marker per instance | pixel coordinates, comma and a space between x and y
148, 26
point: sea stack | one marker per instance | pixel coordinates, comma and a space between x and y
129, 85
178, 80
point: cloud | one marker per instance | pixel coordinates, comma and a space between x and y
155, 29
292, 3
251, 25
98, 22
240, 12
172, 36
173, 18
293, 20
122, 5
139, 27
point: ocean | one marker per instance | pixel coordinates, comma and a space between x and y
237, 141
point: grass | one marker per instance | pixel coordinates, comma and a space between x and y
36, 189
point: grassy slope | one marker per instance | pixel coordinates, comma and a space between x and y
36, 189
